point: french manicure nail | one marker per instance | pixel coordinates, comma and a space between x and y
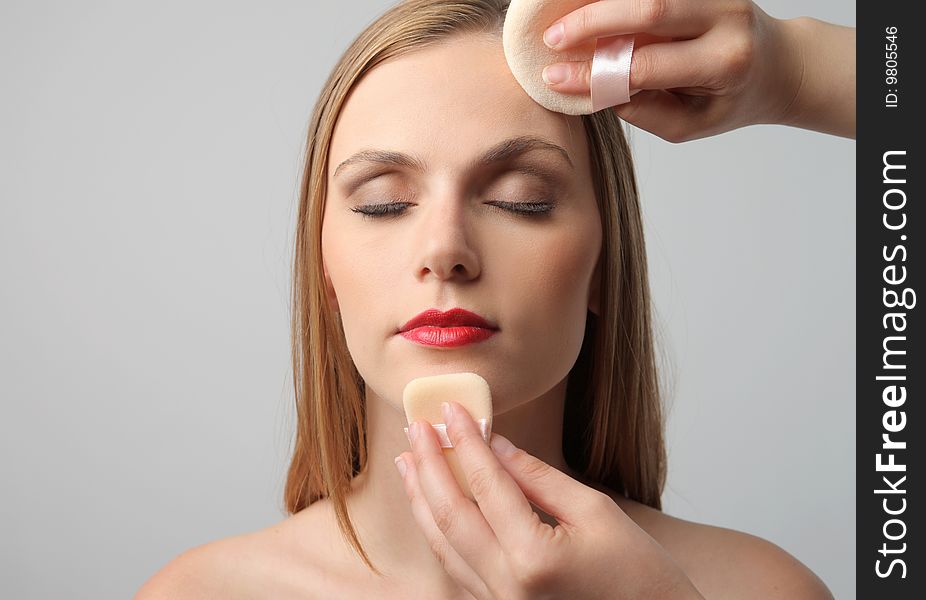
554, 35
502, 446
400, 465
553, 74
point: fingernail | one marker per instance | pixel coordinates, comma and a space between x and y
501, 445
448, 412
413, 430
400, 465
553, 74
554, 35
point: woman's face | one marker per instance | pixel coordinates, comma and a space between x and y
457, 240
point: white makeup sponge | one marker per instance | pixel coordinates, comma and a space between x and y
422, 398
527, 55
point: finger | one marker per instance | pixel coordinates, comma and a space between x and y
652, 67
570, 502
455, 515
666, 65
450, 560
504, 505
680, 18
667, 115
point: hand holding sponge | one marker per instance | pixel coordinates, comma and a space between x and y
527, 55
422, 399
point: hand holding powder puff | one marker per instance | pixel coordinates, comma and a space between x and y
498, 547
698, 67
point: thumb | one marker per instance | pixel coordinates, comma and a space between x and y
553, 491
662, 113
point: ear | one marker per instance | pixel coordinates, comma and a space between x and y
594, 290
329, 291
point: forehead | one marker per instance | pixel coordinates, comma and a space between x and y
447, 103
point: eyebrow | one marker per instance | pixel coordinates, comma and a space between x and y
504, 150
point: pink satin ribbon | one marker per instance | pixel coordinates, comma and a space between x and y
611, 71
441, 430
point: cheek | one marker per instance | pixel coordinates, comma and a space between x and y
550, 281
356, 268
544, 293
567, 275
361, 275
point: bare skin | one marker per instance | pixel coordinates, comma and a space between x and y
710, 66
304, 556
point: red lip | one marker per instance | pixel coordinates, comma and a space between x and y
455, 317
456, 327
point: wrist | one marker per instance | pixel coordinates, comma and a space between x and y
823, 61
797, 98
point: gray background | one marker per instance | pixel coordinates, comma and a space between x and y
149, 161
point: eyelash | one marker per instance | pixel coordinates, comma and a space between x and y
534, 209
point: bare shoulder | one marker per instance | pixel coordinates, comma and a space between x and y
205, 571
260, 564
725, 563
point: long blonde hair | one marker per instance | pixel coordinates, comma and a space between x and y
613, 421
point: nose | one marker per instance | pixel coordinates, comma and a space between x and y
444, 241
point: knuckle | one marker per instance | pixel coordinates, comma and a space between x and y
599, 502
739, 54
575, 25
605, 502
530, 572
534, 469
439, 547
420, 461
446, 516
653, 12
641, 67
682, 135
466, 440
482, 481
675, 135
742, 11
578, 24
628, 111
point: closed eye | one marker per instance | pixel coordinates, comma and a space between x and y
373, 211
379, 210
